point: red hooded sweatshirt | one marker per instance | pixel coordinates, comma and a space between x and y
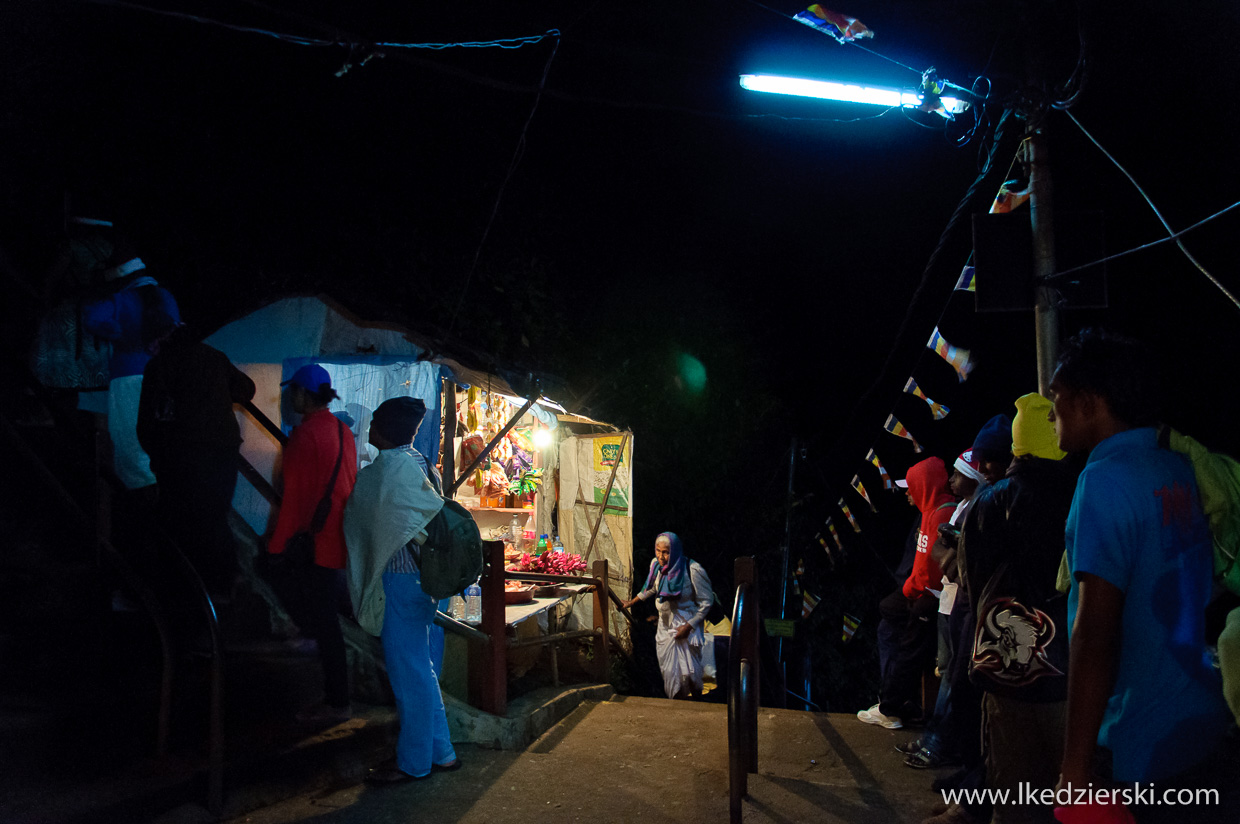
927, 483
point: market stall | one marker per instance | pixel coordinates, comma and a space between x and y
506, 455
537, 477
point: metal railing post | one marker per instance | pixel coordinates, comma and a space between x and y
743, 666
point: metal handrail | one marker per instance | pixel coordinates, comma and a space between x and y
215, 734
157, 614
743, 663
264, 421
126, 570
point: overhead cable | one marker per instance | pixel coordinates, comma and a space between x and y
499, 195
504, 43
1171, 233
1173, 236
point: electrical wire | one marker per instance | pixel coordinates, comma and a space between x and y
505, 43
960, 210
518, 152
1171, 233
1173, 236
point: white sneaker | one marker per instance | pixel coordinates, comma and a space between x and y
873, 716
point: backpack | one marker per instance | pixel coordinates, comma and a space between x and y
1218, 479
451, 558
64, 355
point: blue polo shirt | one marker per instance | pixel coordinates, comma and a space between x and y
1136, 522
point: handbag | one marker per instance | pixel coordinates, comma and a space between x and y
299, 548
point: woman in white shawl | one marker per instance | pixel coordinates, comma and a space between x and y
684, 598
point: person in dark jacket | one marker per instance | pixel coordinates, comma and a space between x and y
1012, 542
186, 424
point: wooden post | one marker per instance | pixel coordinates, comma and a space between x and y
448, 447
489, 689
450, 489
602, 605
606, 495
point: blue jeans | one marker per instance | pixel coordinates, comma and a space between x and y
407, 617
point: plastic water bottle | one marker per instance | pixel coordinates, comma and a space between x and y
458, 608
473, 604
558, 546
514, 529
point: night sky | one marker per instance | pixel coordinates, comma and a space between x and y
655, 208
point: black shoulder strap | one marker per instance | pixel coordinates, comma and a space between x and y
324, 507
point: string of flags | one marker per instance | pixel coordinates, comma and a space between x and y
968, 280
850, 627
958, 358
872, 457
937, 409
841, 27
1013, 193
860, 487
894, 426
808, 602
848, 514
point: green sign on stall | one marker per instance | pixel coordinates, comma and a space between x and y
781, 627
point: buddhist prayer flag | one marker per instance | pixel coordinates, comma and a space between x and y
896, 428
860, 487
808, 602
954, 355
872, 457
850, 627
937, 409
968, 280
848, 514
840, 26
1012, 195
835, 535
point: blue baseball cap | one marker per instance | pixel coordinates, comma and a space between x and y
310, 377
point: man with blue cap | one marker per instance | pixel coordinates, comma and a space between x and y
320, 464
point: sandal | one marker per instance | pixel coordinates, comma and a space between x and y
911, 747
923, 759
452, 767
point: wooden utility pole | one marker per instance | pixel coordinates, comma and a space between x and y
1041, 201
1041, 215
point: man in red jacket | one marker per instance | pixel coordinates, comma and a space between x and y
914, 608
314, 591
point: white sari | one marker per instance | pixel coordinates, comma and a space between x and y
681, 661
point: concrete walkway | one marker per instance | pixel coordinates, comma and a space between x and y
644, 760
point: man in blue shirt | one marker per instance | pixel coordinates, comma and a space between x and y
1140, 681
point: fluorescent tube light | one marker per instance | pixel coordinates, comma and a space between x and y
845, 92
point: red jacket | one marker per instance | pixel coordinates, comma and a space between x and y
927, 483
309, 458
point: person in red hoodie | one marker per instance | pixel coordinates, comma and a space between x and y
914, 608
320, 451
